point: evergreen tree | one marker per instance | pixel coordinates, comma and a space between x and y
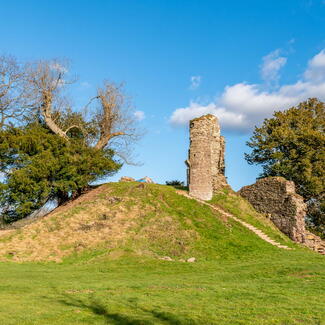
292, 144
38, 166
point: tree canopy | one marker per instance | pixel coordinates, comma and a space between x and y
292, 144
50, 150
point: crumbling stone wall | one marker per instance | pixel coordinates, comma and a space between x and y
314, 242
205, 163
276, 197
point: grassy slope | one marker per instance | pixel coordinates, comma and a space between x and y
152, 220
237, 279
238, 206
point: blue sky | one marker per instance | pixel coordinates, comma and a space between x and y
240, 60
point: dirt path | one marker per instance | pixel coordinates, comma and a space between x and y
255, 230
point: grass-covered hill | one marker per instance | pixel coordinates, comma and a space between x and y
141, 219
97, 260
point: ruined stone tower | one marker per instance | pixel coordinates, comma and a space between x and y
206, 167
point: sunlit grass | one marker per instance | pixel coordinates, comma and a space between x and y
282, 288
237, 277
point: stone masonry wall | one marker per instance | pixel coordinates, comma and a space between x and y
314, 242
276, 197
206, 157
218, 172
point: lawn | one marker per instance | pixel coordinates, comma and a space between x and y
282, 287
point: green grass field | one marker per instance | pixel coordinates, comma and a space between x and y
281, 288
237, 278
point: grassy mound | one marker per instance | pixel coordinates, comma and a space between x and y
140, 219
106, 241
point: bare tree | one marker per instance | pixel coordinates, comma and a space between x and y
114, 122
46, 82
39, 88
14, 99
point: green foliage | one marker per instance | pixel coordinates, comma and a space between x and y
38, 166
175, 183
316, 217
292, 144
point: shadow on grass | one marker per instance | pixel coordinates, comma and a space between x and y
97, 308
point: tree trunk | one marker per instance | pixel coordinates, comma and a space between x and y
54, 128
62, 197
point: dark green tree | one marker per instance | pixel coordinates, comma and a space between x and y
38, 166
292, 144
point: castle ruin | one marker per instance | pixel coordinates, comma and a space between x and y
274, 196
206, 163
277, 198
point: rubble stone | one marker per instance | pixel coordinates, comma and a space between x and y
191, 260
145, 179
166, 258
314, 242
127, 179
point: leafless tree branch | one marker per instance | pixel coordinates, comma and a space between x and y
115, 119
14, 98
38, 88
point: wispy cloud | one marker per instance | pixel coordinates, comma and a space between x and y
139, 115
243, 105
271, 66
195, 82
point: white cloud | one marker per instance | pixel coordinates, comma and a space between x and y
139, 115
242, 106
316, 68
229, 119
195, 82
271, 66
